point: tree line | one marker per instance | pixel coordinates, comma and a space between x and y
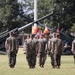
16, 14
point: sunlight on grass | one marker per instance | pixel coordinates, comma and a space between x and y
21, 68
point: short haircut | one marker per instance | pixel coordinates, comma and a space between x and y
11, 33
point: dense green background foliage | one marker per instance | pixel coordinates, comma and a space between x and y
16, 14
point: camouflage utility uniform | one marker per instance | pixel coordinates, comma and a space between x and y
31, 52
58, 50
52, 51
73, 49
12, 49
56, 47
42, 51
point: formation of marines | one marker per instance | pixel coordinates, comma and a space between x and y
40, 47
37, 47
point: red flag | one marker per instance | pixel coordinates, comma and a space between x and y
46, 31
38, 33
34, 30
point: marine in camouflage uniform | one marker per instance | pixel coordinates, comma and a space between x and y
31, 51
51, 48
12, 46
73, 49
24, 44
42, 51
58, 50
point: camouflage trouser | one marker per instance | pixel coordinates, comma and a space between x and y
53, 59
31, 58
58, 59
12, 59
74, 58
42, 58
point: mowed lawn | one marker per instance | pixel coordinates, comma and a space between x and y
21, 68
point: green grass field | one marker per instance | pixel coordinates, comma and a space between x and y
21, 68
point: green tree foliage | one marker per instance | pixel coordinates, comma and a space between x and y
27, 6
64, 13
14, 14
44, 8
10, 14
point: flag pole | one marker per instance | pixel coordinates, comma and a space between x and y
35, 13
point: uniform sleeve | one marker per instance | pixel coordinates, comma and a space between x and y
6, 44
72, 46
49, 45
25, 45
17, 45
62, 45
37, 47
